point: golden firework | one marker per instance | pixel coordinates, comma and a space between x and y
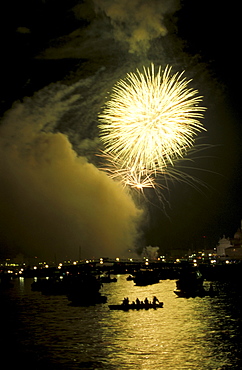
149, 122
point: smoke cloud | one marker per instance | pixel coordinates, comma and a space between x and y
137, 22
108, 26
54, 202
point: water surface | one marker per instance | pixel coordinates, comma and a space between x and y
196, 333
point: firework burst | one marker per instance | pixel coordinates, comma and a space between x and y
150, 121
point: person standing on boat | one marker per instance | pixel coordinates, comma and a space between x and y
155, 300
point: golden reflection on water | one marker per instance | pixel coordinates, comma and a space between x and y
188, 334
178, 336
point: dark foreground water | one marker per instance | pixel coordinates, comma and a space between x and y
46, 332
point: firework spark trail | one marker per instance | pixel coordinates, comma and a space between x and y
150, 121
127, 176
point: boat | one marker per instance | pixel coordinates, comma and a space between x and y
80, 289
201, 292
190, 284
84, 290
135, 306
146, 277
130, 277
51, 286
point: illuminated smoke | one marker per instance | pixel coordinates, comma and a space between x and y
112, 26
54, 202
137, 22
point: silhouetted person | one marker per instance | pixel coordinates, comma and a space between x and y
155, 300
126, 301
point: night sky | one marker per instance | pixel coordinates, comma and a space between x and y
59, 62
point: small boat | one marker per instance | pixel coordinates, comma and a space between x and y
84, 290
200, 292
146, 277
190, 284
130, 277
51, 286
135, 306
